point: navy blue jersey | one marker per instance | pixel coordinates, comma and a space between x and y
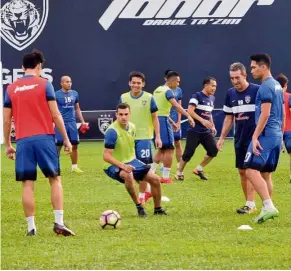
66, 103
203, 107
271, 92
242, 106
178, 97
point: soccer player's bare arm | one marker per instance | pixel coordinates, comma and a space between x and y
179, 114
263, 119
156, 124
181, 110
7, 119
79, 113
194, 115
59, 122
108, 157
227, 125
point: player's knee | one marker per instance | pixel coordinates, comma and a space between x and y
212, 153
242, 174
55, 181
74, 147
127, 177
187, 155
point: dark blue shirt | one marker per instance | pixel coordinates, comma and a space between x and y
203, 107
242, 106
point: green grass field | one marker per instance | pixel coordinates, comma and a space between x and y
200, 231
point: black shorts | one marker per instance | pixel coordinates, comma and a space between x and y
194, 139
240, 155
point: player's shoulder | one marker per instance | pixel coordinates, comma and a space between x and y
75, 92
146, 93
197, 94
161, 89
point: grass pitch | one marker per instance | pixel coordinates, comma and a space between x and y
200, 231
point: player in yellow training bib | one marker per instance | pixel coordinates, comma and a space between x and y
121, 163
144, 117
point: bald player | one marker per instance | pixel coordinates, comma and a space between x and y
68, 104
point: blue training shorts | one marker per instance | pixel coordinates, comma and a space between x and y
144, 150
166, 132
177, 135
287, 141
267, 161
240, 155
141, 170
37, 150
72, 131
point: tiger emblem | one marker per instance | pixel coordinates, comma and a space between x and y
22, 22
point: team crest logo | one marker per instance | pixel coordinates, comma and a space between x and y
144, 102
22, 21
248, 99
104, 122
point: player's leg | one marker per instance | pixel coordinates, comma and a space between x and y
129, 182
209, 144
267, 176
126, 178
48, 161
247, 187
192, 142
144, 153
142, 172
154, 181
73, 134
25, 168
178, 146
254, 164
167, 151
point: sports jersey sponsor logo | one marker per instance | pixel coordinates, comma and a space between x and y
144, 102
24, 88
22, 21
104, 122
248, 99
241, 116
180, 12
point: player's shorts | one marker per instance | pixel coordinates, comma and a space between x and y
37, 150
140, 171
240, 155
177, 135
144, 150
194, 139
166, 132
72, 131
287, 141
267, 161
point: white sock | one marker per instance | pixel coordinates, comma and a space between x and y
251, 204
59, 217
30, 223
199, 168
268, 204
74, 166
154, 166
141, 195
166, 173
148, 189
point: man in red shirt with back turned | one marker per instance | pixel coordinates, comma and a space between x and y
31, 102
283, 80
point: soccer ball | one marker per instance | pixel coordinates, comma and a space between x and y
110, 219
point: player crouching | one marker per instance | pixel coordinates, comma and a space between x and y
121, 163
